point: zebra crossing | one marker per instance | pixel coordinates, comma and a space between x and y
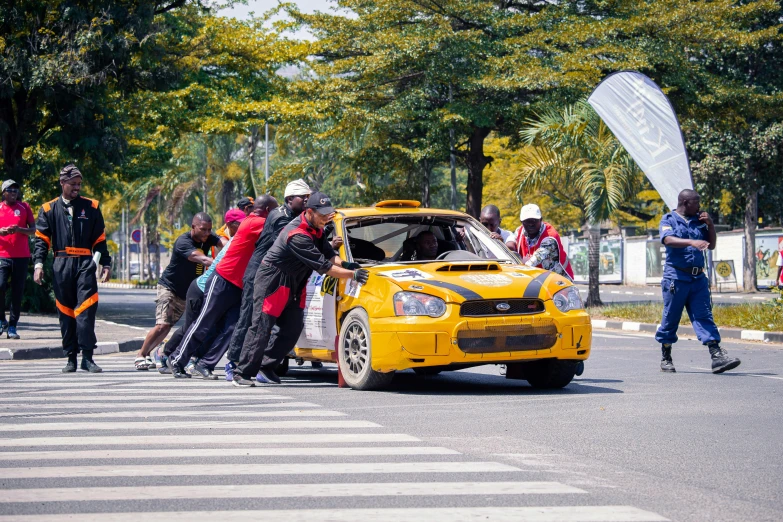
123, 444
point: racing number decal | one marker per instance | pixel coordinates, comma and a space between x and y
329, 285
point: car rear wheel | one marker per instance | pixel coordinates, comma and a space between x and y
355, 354
547, 373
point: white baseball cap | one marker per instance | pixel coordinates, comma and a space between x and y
297, 188
530, 211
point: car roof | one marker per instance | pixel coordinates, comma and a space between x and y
396, 211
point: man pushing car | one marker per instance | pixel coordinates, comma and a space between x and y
280, 289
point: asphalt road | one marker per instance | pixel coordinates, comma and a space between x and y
622, 442
137, 307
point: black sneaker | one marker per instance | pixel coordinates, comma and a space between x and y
177, 371
3, 326
70, 366
317, 364
267, 376
721, 362
88, 365
164, 368
202, 372
241, 382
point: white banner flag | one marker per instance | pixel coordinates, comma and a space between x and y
643, 120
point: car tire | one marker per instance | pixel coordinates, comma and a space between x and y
549, 374
427, 371
282, 368
354, 351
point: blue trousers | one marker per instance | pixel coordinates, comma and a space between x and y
694, 296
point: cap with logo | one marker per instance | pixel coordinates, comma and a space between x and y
235, 215
9, 183
321, 203
530, 211
297, 188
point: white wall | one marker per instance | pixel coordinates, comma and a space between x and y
730, 247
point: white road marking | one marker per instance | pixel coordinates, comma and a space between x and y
204, 392
614, 292
455, 514
233, 414
383, 489
249, 425
629, 293
736, 297
120, 399
286, 468
355, 451
184, 440
146, 406
775, 377
649, 293
759, 298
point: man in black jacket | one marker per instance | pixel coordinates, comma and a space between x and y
280, 289
72, 226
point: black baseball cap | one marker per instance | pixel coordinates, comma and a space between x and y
242, 203
321, 203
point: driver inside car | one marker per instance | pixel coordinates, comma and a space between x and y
423, 247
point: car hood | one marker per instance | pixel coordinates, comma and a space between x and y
466, 281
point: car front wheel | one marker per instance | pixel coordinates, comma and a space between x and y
355, 354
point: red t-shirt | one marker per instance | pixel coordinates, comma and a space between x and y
232, 266
19, 214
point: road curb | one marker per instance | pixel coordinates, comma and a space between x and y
726, 333
56, 352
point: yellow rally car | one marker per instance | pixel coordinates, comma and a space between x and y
473, 304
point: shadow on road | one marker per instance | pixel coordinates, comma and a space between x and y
462, 383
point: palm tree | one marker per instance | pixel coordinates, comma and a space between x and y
573, 155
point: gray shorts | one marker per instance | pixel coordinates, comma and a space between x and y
168, 307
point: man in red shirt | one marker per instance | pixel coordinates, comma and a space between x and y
222, 295
539, 244
17, 223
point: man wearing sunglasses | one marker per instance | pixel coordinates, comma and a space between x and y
17, 223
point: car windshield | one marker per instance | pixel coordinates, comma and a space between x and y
420, 239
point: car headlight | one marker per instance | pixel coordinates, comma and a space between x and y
412, 303
568, 299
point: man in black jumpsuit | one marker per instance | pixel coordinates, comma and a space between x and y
280, 289
72, 226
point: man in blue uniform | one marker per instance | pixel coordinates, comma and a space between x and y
687, 233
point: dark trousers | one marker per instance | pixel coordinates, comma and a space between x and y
214, 350
76, 297
220, 296
14, 268
274, 304
244, 320
694, 296
193, 301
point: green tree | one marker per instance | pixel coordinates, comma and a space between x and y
575, 158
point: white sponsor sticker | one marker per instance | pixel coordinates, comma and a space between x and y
487, 279
353, 288
405, 274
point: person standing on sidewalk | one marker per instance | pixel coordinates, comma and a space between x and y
687, 233
188, 261
17, 223
280, 289
222, 296
72, 226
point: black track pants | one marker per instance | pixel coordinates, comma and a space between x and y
15, 269
76, 295
274, 303
215, 350
193, 301
220, 296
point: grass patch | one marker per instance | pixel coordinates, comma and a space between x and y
750, 316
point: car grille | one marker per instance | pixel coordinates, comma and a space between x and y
507, 338
489, 307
